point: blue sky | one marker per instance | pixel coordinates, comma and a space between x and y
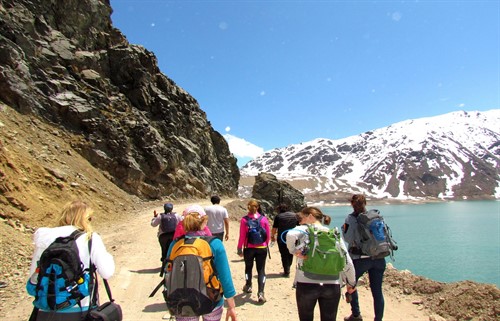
274, 73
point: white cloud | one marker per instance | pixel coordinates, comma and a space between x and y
263, 93
228, 129
223, 25
241, 148
153, 24
396, 16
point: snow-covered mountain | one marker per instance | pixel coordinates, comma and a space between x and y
455, 155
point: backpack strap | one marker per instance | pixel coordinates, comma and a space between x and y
215, 274
93, 297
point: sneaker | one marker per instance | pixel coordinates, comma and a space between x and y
353, 318
262, 299
247, 288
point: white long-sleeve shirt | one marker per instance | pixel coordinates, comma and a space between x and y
104, 262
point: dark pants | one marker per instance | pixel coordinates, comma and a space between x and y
286, 257
259, 255
164, 239
375, 269
327, 295
220, 235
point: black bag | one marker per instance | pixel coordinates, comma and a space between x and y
109, 311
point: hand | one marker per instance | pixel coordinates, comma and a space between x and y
231, 309
155, 214
300, 255
273, 238
226, 237
350, 289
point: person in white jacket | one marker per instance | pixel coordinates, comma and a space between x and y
311, 291
75, 215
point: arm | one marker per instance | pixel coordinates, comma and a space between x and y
349, 274
294, 239
231, 309
273, 234
243, 235
100, 257
155, 221
226, 225
268, 230
349, 229
222, 266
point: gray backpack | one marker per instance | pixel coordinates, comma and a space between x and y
375, 237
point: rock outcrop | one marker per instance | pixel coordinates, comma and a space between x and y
271, 192
64, 62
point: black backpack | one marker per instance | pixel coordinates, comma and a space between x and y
168, 222
256, 233
62, 280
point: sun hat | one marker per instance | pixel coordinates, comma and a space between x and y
195, 208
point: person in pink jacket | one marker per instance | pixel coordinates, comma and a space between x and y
179, 230
252, 246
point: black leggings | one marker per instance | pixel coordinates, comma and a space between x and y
327, 295
259, 255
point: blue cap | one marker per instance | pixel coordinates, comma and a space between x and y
168, 207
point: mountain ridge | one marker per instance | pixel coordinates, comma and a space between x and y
450, 156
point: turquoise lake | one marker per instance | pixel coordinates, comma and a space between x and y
448, 241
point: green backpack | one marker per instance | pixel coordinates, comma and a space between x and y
325, 257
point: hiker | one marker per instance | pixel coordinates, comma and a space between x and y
195, 220
363, 263
166, 222
252, 246
75, 215
324, 289
218, 218
179, 230
284, 221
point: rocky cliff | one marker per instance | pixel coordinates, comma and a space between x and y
63, 63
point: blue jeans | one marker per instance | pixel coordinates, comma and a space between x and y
375, 269
327, 295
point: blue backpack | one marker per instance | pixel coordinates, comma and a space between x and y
62, 281
256, 233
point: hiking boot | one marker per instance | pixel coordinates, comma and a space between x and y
247, 288
261, 297
353, 318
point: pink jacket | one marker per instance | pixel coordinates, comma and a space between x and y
242, 242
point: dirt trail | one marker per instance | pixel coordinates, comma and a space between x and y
136, 251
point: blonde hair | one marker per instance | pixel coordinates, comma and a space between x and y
253, 202
193, 222
78, 214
